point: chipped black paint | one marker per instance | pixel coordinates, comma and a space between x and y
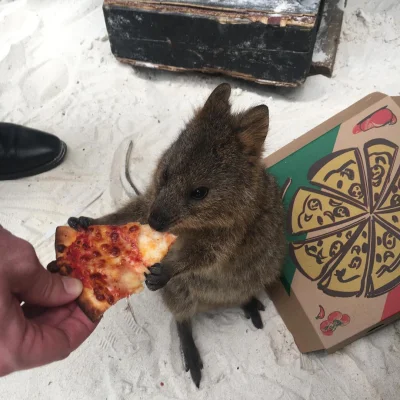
252, 50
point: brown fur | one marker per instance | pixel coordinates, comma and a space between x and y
230, 244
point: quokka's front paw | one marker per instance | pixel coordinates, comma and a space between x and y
80, 223
157, 278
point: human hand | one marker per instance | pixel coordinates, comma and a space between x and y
49, 326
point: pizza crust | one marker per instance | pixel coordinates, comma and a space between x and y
65, 236
87, 301
93, 308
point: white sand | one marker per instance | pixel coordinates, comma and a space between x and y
57, 74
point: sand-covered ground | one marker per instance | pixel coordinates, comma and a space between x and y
57, 74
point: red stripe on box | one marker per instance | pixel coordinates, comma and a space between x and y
392, 305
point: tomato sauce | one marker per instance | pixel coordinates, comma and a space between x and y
88, 256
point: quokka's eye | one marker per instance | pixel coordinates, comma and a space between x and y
199, 193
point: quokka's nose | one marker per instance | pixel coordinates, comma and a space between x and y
158, 222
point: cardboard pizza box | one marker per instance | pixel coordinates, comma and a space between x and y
341, 189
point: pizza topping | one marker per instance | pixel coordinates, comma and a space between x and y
65, 269
110, 261
105, 247
114, 236
97, 235
60, 248
115, 251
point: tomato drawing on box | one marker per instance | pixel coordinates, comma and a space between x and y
334, 320
382, 117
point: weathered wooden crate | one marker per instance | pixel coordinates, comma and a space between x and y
266, 41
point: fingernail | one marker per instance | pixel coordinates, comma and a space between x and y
72, 286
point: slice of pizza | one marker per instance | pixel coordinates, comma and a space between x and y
311, 209
380, 155
391, 217
313, 256
341, 172
384, 273
392, 197
110, 261
347, 276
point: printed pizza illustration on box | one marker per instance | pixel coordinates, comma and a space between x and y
363, 255
341, 191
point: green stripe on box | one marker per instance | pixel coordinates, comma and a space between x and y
296, 167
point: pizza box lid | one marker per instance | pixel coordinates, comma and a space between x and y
328, 304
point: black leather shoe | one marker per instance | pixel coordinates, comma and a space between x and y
26, 152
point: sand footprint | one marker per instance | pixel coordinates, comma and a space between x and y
283, 347
126, 387
45, 82
125, 337
18, 25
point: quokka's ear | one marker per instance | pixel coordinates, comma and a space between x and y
253, 129
218, 102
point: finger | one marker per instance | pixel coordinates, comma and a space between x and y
77, 327
31, 311
54, 316
43, 344
27, 279
50, 316
47, 289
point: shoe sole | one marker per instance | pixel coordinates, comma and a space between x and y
40, 169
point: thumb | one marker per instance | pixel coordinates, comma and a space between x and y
51, 290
